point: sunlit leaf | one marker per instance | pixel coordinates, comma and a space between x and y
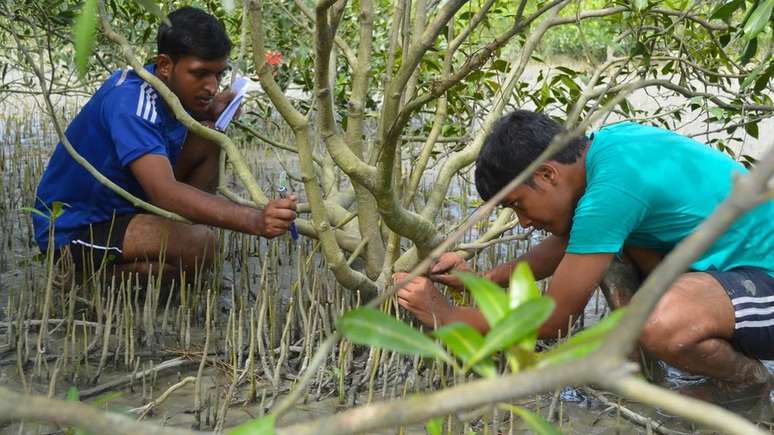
84, 34
639, 4
522, 287
259, 426
463, 340
536, 422
490, 297
519, 324
372, 327
758, 19
434, 426
582, 343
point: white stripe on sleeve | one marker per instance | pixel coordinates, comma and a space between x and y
755, 324
753, 311
752, 300
141, 101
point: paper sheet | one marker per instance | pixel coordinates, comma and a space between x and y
240, 88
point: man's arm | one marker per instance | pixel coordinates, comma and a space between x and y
571, 286
573, 283
543, 259
155, 175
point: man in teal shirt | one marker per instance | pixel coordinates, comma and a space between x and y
637, 190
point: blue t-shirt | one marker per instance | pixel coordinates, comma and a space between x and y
124, 120
650, 188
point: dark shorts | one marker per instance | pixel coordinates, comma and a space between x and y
99, 242
752, 295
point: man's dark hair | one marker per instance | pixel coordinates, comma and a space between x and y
516, 140
193, 32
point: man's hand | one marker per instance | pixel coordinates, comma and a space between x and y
450, 261
423, 300
276, 217
219, 103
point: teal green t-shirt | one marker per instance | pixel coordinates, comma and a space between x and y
650, 188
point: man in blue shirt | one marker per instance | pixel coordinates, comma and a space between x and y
127, 132
639, 190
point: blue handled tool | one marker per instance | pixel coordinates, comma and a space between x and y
282, 189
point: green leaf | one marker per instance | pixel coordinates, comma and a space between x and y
35, 211
490, 297
523, 287
73, 395
639, 4
752, 129
463, 340
749, 50
434, 426
372, 327
758, 19
152, 7
259, 426
582, 343
519, 324
724, 12
753, 76
57, 208
84, 34
535, 421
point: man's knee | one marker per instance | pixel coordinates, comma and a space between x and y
680, 322
199, 250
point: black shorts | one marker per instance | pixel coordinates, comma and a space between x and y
752, 294
99, 242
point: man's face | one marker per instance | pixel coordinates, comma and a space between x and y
549, 205
194, 80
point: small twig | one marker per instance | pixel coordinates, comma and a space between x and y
631, 415
144, 410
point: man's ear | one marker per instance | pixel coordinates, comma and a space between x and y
164, 65
546, 173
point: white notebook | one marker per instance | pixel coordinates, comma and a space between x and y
240, 88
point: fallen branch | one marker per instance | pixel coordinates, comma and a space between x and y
144, 410
632, 416
169, 364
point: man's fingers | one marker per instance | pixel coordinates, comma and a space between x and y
286, 203
444, 278
447, 261
282, 214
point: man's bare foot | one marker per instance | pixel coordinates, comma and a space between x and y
751, 377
